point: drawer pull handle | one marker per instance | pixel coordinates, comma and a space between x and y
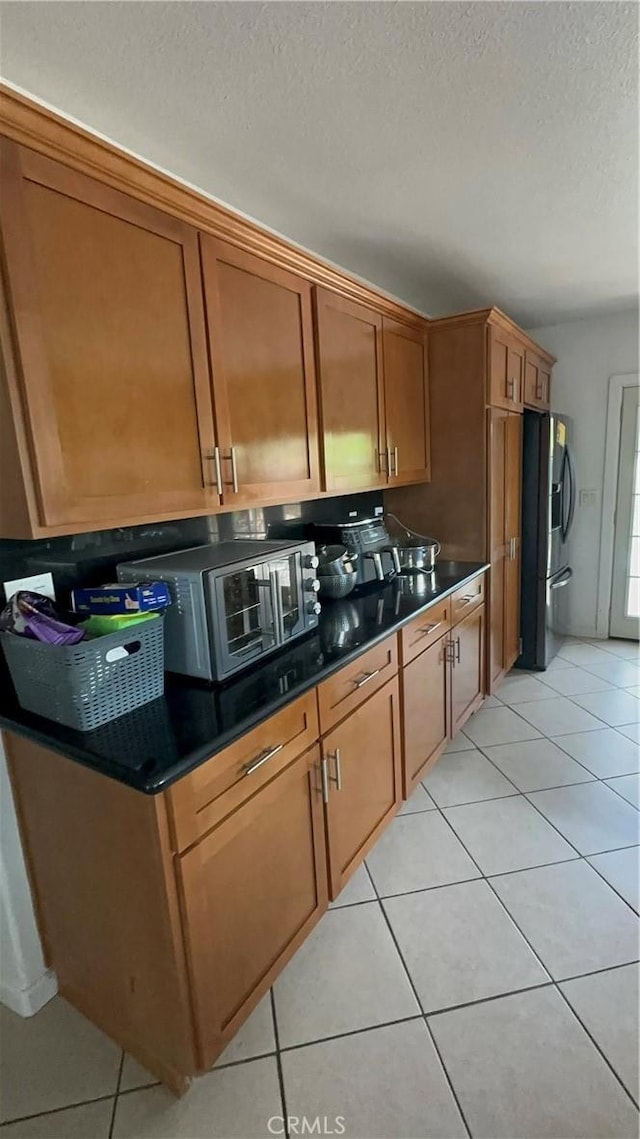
469, 598
426, 629
262, 758
367, 677
457, 650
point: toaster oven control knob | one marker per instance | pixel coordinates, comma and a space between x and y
312, 585
314, 607
311, 561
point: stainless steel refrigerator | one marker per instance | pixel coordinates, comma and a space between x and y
548, 505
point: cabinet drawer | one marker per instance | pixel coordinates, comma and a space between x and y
424, 630
342, 693
212, 791
467, 598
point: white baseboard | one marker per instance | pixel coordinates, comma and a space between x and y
26, 1002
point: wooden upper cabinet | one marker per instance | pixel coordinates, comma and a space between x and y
349, 355
406, 402
261, 343
506, 370
109, 350
537, 382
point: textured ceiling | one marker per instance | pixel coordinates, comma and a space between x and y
457, 154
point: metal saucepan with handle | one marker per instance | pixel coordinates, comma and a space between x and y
335, 560
416, 553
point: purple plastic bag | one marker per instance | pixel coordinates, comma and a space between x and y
34, 615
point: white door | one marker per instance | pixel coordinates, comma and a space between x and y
625, 586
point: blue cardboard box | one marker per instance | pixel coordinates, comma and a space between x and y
135, 597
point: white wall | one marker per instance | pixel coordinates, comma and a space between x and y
589, 351
25, 982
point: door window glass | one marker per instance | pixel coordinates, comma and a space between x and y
243, 611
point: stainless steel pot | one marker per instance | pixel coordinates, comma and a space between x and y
415, 553
335, 560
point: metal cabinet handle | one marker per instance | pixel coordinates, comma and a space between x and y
389, 470
383, 456
395, 461
450, 655
458, 650
234, 470
324, 779
510, 388
216, 459
466, 600
262, 758
366, 678
426, 629
337, 778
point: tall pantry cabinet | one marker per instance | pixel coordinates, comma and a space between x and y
479, 365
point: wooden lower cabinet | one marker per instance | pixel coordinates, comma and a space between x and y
467, 668
362, 764
252, 890
425, 712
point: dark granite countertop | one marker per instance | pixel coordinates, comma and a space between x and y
159, 743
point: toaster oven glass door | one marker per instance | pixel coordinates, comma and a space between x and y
286, 591
247, 623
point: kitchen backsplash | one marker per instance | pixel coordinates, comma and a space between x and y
90, 559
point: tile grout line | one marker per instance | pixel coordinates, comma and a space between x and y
419, 1004
115, 1098
276, 1036
56, 1110
583, 857
407, 1019
553, 982
525, 795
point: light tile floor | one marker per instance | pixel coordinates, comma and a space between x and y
479, 977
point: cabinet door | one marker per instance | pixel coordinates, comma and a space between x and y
110, 333
497, 543
467, 668
261, 344
537, 382
361, 761
513, 512
406, 402
425, 718
349, 354
506, 370
252, 890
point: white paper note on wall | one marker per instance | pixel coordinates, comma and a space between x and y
37, 583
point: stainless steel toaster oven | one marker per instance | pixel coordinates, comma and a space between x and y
232, 602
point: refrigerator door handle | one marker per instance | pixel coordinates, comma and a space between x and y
563, 579
567, 482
